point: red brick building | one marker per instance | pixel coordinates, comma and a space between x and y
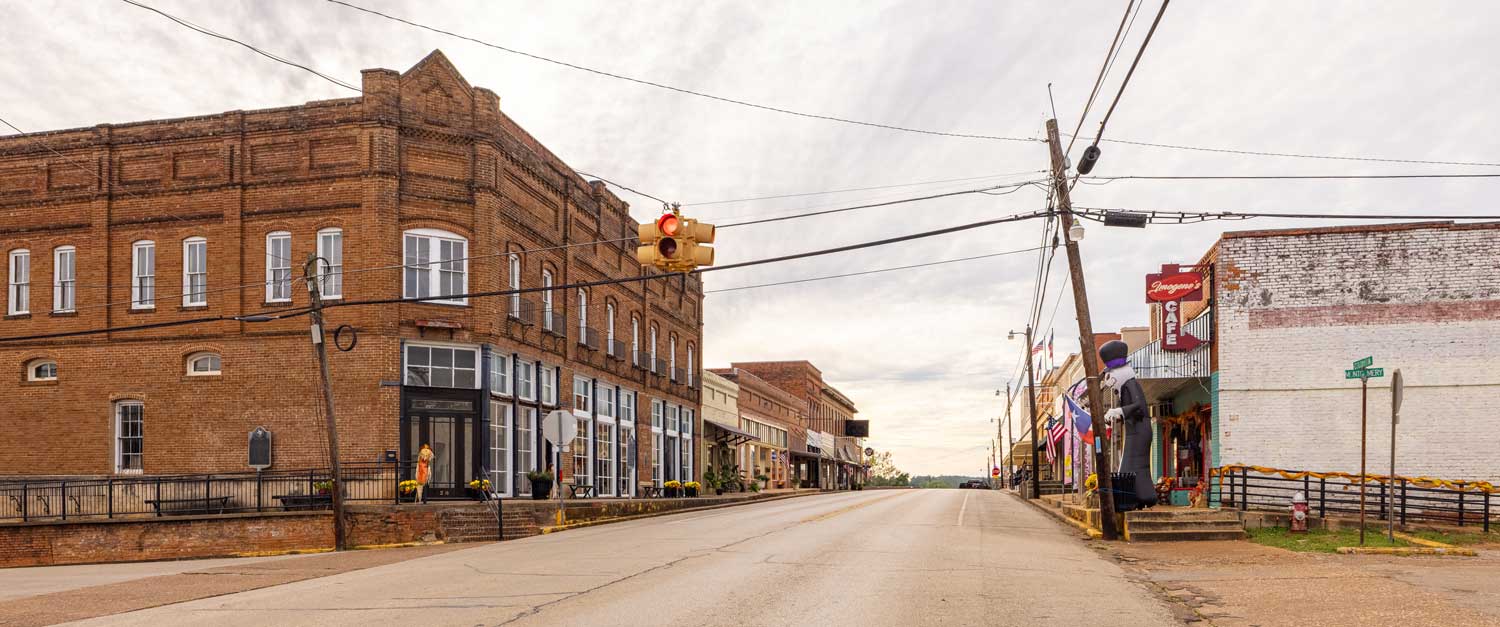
828, 412
778, 421
419, 188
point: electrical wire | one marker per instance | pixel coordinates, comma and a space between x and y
256, 50
1294, 155
1280, 177
1103, 69
1142, 51
881, 204
865, 272
680, 90
633, 191
1189, 217
858, 189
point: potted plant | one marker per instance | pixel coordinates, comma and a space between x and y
323, 487
672, 488
691, 488
711, 478
762, 479
408, 490
479, 488
541, 484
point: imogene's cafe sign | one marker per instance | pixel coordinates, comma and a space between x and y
1170, 288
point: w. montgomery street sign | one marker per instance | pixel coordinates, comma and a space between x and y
1362, 370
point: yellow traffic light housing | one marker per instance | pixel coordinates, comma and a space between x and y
675, 244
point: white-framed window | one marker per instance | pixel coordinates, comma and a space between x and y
500, 474
437, 267
143, 275
546, 300
674, 416
204, 365
606, 401
609, 325
583, 395
627, 406
580, 447
549, 385
625, 462
635, 341
514, 264
41, 370
278, 267
442, 366
686, 426
672, 355
64, 278
658, 412
604, 459
653, 348
194, 271
130, 436
525, 448
526, 380
331, 266
656, 446
690, 365
500, 374
19, 295
583, 314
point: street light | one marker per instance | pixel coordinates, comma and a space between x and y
1036, 486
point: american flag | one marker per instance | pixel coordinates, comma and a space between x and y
1057, 432
1051, 444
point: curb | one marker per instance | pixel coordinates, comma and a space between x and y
1092, 533
1408, 550
606, 521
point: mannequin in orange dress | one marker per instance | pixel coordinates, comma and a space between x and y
424, 471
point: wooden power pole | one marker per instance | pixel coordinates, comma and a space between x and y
312, 276
1086, 338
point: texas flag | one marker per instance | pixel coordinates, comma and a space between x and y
1081, 420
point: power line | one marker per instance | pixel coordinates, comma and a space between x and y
1155, 216
258, 51
1280, 177
1109, 58
510, 292
865, 272
857, 189
1131, 72
1294, 155
680, 90
882, 204
633, 191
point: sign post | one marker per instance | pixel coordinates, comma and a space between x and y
1397, 389
559, 428
1364, 373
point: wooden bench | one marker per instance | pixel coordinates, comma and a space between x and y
582, 490
304, 501
190, 505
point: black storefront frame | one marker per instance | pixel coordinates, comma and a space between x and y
473, 438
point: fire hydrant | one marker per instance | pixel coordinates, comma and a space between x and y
1299, 513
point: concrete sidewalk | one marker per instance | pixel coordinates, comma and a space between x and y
69, 593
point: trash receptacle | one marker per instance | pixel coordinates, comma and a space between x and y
1124, 491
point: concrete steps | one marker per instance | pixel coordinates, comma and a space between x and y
1176, 525
476, 523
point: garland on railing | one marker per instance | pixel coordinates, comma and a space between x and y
1430, 482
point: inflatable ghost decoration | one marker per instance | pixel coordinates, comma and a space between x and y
1130, 416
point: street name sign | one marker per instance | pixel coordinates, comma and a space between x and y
1364, 373
1364, 363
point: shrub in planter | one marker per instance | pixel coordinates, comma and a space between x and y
407, 490
691, 488
541, 484
323, 487
673, 488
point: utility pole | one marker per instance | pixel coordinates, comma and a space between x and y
310, 274
1036, 461
1086, 337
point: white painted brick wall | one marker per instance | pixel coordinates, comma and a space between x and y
1283, 399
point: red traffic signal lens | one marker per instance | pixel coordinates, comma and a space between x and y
667, 247
668, 224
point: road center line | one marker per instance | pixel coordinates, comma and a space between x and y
963, 509
845, 510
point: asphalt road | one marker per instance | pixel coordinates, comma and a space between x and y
907, 557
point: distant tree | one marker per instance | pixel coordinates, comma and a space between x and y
883, 471
937, 484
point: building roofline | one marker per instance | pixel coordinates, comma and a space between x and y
1359, 228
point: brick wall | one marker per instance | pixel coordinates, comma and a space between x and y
49, 544
1294, 310
417, 150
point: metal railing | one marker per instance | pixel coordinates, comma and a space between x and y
616, 349
588, 337
1247, 489
521, 310
216, 493
1151, 362
555, 322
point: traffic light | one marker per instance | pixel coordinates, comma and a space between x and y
675, 244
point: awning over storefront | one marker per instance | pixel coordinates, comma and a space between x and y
1020, 454
730, 436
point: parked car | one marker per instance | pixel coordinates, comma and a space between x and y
974, 484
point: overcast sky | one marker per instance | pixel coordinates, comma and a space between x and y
921, 352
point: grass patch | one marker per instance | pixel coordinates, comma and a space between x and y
1318, 540
1456, 538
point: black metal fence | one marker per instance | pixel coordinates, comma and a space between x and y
217, 493
1247, 489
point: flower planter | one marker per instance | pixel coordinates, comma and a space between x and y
718, 491
541, 489
671, 493
691, 492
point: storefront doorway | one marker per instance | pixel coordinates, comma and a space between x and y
445, 420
